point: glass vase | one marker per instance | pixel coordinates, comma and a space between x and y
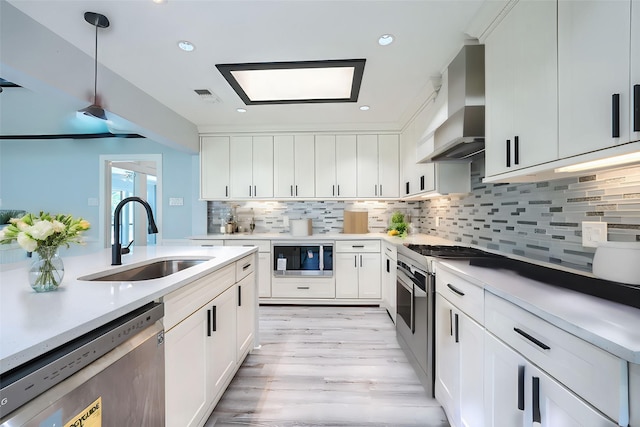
47, 269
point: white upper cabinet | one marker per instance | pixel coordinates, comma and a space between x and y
294, 166
521, 88
251, 161
335, 162
378, 166
214, 167
593, 69
635, 71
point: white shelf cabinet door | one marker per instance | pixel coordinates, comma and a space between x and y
367, 154
284, 166
241, 166
264, 274
221, 345
504, 384
517, 393
263, 167
214, 167
635, 71
389, 166
369, 279
246, 314
471, 388
346, 166
346, 265
593, 52
447, 373
186, 345
325, 164
304, 166
521, 88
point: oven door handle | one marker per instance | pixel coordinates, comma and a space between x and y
405, 281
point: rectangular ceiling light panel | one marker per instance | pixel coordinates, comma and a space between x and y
295, 82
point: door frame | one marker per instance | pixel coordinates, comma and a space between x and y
105, 160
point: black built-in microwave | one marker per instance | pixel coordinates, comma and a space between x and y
302, 259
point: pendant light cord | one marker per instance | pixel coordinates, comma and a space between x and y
95, 71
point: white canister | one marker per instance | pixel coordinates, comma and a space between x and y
618, 261
300, 227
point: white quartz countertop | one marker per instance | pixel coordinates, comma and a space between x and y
611, 326
33, 323
412, 238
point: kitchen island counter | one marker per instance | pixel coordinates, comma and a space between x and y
32, 324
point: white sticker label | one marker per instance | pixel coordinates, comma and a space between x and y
282, 264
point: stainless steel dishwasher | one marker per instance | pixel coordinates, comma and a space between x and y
112, 376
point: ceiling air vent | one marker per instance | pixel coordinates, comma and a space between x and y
207, 96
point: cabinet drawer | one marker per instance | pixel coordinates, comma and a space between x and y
263, 245
466, 296
358, 246
182, 302
588, 371
245, 266
206, 242
292, 288
390, 250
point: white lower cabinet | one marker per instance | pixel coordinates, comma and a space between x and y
209, 329
357, 269
264, 262
520, 394
537, 373
459, 374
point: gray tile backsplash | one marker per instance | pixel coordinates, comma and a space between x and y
539, 220
536, 220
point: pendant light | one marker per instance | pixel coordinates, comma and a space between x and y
94, 110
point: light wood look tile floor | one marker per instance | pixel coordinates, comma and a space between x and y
326, 366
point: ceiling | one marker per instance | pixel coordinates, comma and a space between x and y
141, 46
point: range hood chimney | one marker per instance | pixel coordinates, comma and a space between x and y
461, 136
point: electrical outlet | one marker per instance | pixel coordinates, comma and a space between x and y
176, 201
593, 233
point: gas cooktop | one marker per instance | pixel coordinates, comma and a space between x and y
450, 252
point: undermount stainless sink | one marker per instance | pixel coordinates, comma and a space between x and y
153, 270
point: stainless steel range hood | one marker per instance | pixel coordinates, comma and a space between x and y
461, 136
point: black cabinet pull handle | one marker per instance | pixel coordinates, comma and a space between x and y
239, 296
521, 388
516, 150
214, 322
226, 191
338, 189
535, 400
360, 260
508, 153
303, 287
355, 261
615, 115
388, 271
249, 191
406, 187
636, 108
255, 191
454, 289
333, 190
208, 323
375, 188
421, 182
291, 191
381, 189
357, 246
450, 323
457, 333
296, 190
532, 339
246, 266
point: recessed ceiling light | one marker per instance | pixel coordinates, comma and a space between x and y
385, 39
241, 110
297, 82
160, 1
186, 46
364, 107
